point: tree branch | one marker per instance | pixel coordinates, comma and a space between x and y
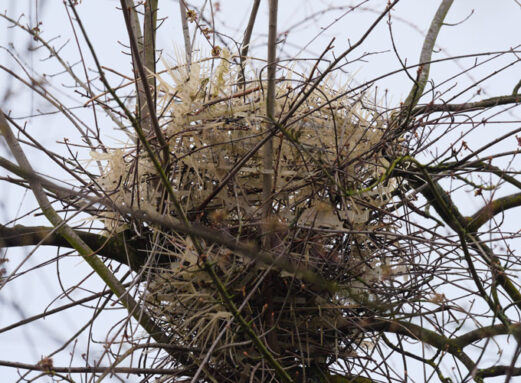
90, 369
186, 33
147, 54
468, 106
245, 46
267, 159
48, 313
498, 371
400, 119
484, 332
140, 64
75, 241
442, 202
411, 330
494, 207
426, 54
130, 252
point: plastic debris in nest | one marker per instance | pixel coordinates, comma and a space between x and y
326, 216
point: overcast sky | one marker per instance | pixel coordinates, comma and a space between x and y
477, 26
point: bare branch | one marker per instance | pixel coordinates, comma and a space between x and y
467, 106
426, 54
186, 32
487, 212
245, 46
51, 370
267, 176
75, 241
144, 79
116, 247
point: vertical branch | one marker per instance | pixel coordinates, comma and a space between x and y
246, 40
138, 37
426, 54
186, 32
267, 176
136, 29
149, 103
149, 38
147, 53
267, 172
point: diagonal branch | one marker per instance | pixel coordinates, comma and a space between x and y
494, 207
485, 332
426, 54
77, 243
245, 46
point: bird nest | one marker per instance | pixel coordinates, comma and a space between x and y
328, 198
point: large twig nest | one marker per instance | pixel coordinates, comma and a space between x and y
327, 211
